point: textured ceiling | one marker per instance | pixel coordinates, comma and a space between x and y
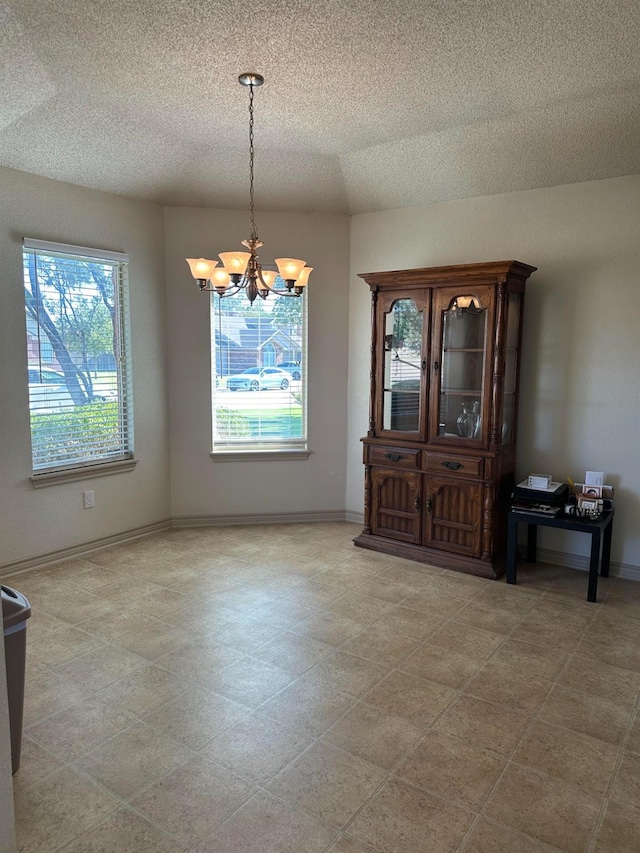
367, 105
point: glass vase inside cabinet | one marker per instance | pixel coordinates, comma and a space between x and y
460, 365
403, 367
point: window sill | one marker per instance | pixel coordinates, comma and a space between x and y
86, 472
257, 455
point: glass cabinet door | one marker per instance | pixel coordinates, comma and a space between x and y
403, 367
511, 368
460, 367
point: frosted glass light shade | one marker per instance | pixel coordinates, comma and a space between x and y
467, 302
220, 278
235, 263
269, 277
303, 278
201, 268
289, 268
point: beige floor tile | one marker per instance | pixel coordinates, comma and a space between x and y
541, 661
570, 756
330, 628
488, 837
466, 640
601, 679
48, 693
390, 590
56, 809
145, 689
626, 785
268, 825
61, 645
348, 845
293, 652
348, 673
124, 832
41, 623
437, 601
619, 830
504, 685
364, 607
314, 592
282, 613
458, 771
483, 724
200, 661
250, 681
257, 747
382, 645
97, 669
614, 639
74, 605
308, 705
544, 808
404, 818
442, 665
247, 635
373, 734
194, 799
405, 622
111, 626
328, 783
549, 630
581, 712
35, 764
127, 591
132, 759
458, 584
632, 742
490, 617
417, 699
74, 731
195, 716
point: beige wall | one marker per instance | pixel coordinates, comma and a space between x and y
200, 487
579, 402
40, 521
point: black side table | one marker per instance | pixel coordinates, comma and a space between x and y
599, 530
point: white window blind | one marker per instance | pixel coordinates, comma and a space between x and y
79, 373
259, 372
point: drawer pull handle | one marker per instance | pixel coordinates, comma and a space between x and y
452, 466
393, 457
428, 504
416, 503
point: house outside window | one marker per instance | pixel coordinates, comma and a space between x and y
78, 357
259, 373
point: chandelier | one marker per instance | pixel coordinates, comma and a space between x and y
242, 270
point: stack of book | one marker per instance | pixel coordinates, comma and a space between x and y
547, 501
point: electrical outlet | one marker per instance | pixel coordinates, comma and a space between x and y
89, 499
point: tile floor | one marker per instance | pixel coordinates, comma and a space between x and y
277, 690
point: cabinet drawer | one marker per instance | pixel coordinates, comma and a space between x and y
398, 457
461, 466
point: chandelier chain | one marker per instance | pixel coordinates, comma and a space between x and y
254, 230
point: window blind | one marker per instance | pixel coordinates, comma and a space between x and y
79, 375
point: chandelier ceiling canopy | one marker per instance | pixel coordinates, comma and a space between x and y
242, 270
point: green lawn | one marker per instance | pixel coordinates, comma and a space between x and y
284, 422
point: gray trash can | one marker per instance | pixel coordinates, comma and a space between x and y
15, 611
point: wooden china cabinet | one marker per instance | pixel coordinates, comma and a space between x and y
440, 451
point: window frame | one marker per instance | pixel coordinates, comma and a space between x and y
235, 451
123, 459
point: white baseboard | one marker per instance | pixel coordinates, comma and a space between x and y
577, 561
80, 550
265, 518
558, 558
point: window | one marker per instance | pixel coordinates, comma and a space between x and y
259, 373
77, 353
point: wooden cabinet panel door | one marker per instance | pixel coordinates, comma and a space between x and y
395, 504
453, 515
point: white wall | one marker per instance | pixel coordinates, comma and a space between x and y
199, 486
580, 400
35, 522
